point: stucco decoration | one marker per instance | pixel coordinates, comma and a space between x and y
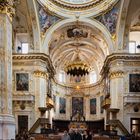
46, 19
109, 19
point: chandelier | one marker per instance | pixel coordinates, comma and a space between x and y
77, 67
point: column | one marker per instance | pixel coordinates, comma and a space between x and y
40, 92
116, 91
68, 107
7, 121
87, 107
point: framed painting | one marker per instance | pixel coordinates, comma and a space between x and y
22, 81
93, 106
77, 105
134, 83
101, 109
62, 105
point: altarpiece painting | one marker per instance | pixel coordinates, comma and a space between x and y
22, 81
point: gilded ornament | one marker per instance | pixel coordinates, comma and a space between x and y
42, 74
116, 74
7, 8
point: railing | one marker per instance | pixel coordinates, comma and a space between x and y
40, 121
118, 124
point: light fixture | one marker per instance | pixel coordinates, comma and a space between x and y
77, 67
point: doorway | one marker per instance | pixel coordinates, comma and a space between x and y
135, 125
22, 123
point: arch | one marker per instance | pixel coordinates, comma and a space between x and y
90, 22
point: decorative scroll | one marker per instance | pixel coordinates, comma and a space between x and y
93, 106
62, 105
77, 105
134, 83
46, 19
22, 81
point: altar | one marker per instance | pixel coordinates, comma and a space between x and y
78, 122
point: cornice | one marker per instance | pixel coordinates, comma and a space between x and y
125, 57
82, 86
35, 56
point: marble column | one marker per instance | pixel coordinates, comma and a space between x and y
68, 108
7, 121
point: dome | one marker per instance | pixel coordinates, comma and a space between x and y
77, 1
70, 8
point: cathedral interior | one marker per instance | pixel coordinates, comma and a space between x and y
69, 64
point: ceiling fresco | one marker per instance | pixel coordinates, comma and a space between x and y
86, 42
109, 19
46, 19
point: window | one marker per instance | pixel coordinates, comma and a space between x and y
134, 42
132, 47
93, 77
25, 47
62, 76
135, 125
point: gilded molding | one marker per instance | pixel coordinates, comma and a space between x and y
42, 74
7, 8
116, 74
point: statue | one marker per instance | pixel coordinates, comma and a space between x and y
78, 117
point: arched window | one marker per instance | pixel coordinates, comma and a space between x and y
93, 77
62, 76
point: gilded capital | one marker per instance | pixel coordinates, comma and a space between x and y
39, 73
7, 7
116, 74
